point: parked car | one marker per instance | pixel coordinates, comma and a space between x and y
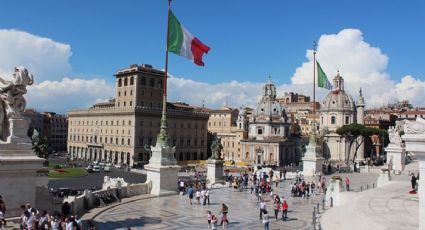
96, 168
118, 166
89, 168
107, 168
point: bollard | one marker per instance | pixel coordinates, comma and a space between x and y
332, 202
318, 208
323, 203
313, 223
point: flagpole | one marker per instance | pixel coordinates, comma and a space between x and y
314, 86
163, 136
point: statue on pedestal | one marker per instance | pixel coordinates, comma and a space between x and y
12, 101
394, 133
216, 148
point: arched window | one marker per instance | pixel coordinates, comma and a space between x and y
132, 81
119, 82
333, 120
125, 82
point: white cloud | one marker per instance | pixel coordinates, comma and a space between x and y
45, 58
361, 65
215, 95
59, 96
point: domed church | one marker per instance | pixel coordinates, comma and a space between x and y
269, 138
338, 109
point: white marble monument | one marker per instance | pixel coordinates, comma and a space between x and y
414, 138
162, 169
396, 153
20, 168
312, 160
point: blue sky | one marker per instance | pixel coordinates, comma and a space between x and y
249, 40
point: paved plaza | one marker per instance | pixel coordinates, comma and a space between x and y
174, 212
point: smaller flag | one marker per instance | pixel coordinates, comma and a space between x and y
322, 79
183, 43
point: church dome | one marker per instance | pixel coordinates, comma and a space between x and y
338, 99
269, 108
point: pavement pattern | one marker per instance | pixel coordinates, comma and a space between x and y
175, 212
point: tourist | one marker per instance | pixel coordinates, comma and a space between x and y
43, 220
266, 220
198, 196
347, 183
209, 218
79, 222
276, 206
190, 194
262, 208
203, 191
66, 209
413, 180
207, 196
284, 210
214, 222
55, 223
26, 220
277, 181
284, 174
224, 210
2, 221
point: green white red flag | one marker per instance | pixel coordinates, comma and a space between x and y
183, 43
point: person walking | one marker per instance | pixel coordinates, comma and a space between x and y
276, 206
190, 194
347, 183
198, 196
209, 218
214, 222
207, 196
203, 200
413, 181
266, 220
284, 174
224, 211
284, 210
262, 208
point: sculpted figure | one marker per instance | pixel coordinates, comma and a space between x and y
394, 133
216, 148
414, 127
12, 101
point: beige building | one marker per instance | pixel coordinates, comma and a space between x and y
117, 131
223, 122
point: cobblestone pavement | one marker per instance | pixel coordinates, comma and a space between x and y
174, 212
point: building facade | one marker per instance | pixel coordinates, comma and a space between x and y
119, 131
269, 138
338, 109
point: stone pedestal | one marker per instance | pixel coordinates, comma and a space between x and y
396, 157
18, 129
215, 171
163, 170
19, 175
312, 161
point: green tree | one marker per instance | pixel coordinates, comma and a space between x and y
39, 145
352, 132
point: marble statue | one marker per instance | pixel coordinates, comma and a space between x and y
216, 148
394, 133
414, 127
12, 101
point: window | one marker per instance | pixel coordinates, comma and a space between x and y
119, 82
260, 131
333, 120
143, 82
347, 120
131, 81
125, 82
152, 82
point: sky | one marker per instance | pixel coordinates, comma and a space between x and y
73, 48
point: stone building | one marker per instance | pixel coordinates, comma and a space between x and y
117, 131
338, 109
269, 138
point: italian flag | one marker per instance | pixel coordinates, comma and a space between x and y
183, 43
